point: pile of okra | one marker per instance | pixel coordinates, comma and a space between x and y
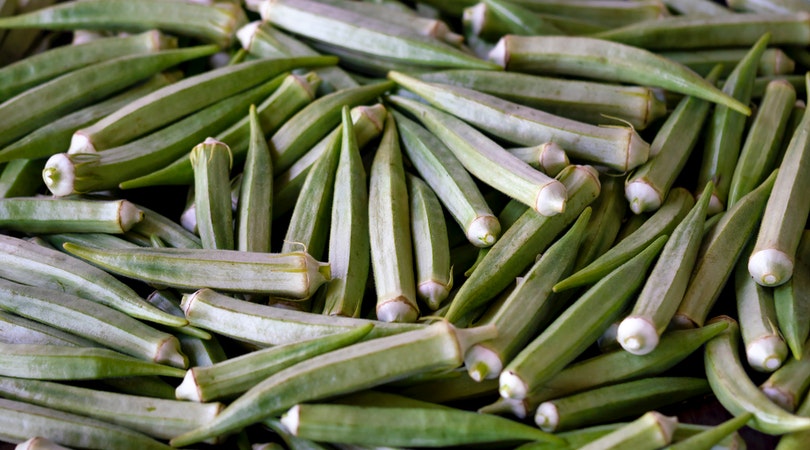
340, 224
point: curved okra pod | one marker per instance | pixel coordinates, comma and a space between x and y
28, 263
350, 234
522, 242
450, 181
431, 249
662, 292
718, 254
229, 378
265, 325
215, 22
650, 184
65, 215
389, 231
677, 205
416, 426
528, 306
617, 400
358, 32
618, 148
294, 275
792, 301
158, 418
577, 327
488, 161
788, 384
650, 431
254, 211
735, 390
363, 365
19, 421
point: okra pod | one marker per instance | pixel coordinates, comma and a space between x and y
212, 161
788, 384
450, 181
21, 178
650, 431
548, 158
792, 301
256, 194
55, 215
714, 435
796, 440
492, 19
439, 346
773, 61
19, 330
479, 154
606, 220
294, 275
350, 236
169, 231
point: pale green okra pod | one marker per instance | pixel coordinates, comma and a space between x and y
212, 161
254, 210
650, 431
65, 215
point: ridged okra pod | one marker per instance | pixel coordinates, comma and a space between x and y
773, 61
230, 378
390, 232
452, 184
521, 244
619, 148
265, 325
254, 210
584, 56
650, 431
479, 155
792, 301
60, 215
439, 346
350, 226
606, 221
215, 23
169, 231
19, 330
787, 385
416, 426
211, 160
21, 178
577, 327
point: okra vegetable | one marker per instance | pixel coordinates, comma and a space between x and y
212, 161
714, 435
650, 431
792, 301
18, 330
60, 215
256, 194
788, 384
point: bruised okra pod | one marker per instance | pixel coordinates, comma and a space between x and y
212, 161
450, 181
363, 365
577, 327
792, 301
350, 227
60, 215
390, 232
788, 384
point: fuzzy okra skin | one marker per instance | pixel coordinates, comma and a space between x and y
60, 215
439, 346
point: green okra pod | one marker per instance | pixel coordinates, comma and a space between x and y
169, 231
584, 56
21, 178
606, 221
294, 275
19, 330
254, 213
65, 215
350, 233
716, 434
774, 61
796, 440
491, 19
792, 301
521, 244
650, 431
479, 154
215, 22
212, 161
788, 384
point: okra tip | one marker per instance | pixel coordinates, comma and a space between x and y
642, 196
786, 400
246, 33
398, 309
770, 267
482, 363
80, 143
433, 292
637, 335
128, 215
766, 353
290, 419
498, 54
511, 385
59, 175
547, 417
169, 353
484, 230
551, 199
188, 389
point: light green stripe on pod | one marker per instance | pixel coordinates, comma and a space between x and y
735, 390
528, 306
619, 400
792, 301
21, 178
367, 364
19, 421
294, 275
648, 186
650, 431
452, 184
521, 244
294, 93
48, 101
350, 227
619, 148
232, 377
265, 325
586, 101
765, 348
358, 32
772, 261
718, 253
773, 61
726, 128
577, 327
66, 215
707, 439
214, 23
788, 385
390, 231
674, 209
727, 30
416, 426
584, 56
212, 161
488, 161
254, 213
431, 248
759, 153
606, 221
29, 263
158, 418
663, 290
36, 69
18, 330
54, 362
172, 102
92, 321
